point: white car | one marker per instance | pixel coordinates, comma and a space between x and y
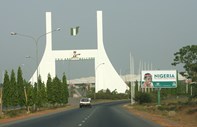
85, 102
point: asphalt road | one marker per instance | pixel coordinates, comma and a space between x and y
100, 115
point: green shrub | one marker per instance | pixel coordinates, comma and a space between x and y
143, 98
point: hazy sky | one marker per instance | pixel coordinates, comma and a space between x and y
152, 30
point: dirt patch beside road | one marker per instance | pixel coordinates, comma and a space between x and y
179, 118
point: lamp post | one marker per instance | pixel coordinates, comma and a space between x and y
36, 42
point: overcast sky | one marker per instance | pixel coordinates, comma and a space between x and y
152, 30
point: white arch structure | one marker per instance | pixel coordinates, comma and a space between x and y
105, 74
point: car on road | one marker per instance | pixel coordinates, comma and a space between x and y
85, 102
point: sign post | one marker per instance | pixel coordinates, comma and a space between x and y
158, 96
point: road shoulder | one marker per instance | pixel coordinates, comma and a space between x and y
157, 118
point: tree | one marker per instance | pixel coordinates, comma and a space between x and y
65, 89
6, 92
13, 90
42, 97
49, 89
56, 91
188, 57
20, 87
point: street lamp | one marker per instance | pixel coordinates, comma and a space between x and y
36, 42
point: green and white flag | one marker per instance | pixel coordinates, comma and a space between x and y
74, 31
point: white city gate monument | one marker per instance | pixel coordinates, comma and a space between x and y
105, 74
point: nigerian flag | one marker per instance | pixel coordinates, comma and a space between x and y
74, 31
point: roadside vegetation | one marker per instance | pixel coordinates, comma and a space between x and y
19, 96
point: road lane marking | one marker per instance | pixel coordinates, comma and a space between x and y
87, 117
